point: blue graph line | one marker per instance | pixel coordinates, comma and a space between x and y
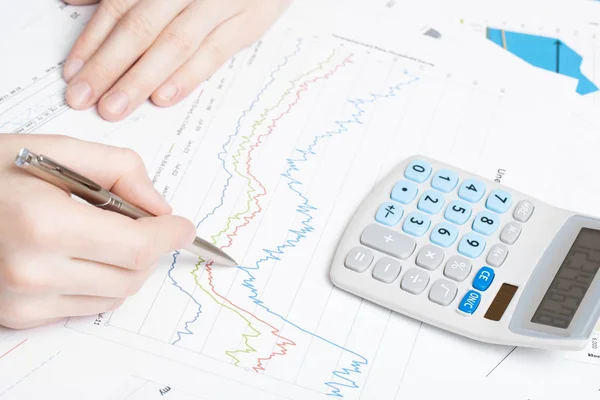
224, 147
305, 208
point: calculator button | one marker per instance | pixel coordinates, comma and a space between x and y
431, 202
458, 212
457, 268
444, 180
471, 190
499, 201
523, 211
388, 241
387, 270
510, 233
389, 213
444, 234
497, 255
443, 292
483, 279
404, 192
416, 224
429, 257
469, 302
359, 259
415, 281
486, 223
471, 245
418, 171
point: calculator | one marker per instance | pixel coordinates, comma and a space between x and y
473, 257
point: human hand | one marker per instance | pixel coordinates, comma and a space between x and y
132, 50
60, 257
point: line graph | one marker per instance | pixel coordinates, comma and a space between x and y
274, 185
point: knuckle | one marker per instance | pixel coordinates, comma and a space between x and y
132, 158
179, 39
139, 25
143, 257
20, 279
15, 314
115, 8
216, 52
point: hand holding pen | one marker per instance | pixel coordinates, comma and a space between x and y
60, 257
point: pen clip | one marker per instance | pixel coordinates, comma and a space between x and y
53, 165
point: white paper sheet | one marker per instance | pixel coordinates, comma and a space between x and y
270, 158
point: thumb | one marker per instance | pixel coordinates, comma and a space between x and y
120, 170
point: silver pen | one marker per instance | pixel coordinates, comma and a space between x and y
86, 189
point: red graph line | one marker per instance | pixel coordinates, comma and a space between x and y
284, 342
11, 350
303, 88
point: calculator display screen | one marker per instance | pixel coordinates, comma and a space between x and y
571, 282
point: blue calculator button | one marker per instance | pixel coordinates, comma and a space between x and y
431, 202
389, 213
444, 180
483, 279
499, 201
404, 192
470, 302
471, 190
418, 171
471, 245
444, 234
458, 212
416, 224
486, 222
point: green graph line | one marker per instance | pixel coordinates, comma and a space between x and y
243, 146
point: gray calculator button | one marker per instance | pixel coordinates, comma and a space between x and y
510, 233
359, 259
430, 257
457, 268
415, 280
388, 241
443, 292
497, 255
387, 270
523, 211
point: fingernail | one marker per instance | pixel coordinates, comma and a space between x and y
167, 91
116, 103
78, 93
72, 67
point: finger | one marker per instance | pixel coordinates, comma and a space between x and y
19, 312
120, 170
126, 42
178, 41
57, 274
89, 233
95, 32
220, 45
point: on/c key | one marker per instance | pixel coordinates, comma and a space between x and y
469, 302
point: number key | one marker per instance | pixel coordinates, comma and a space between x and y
431, 202
458, 212
416, 224
471, 245
499, 201
471, 190
485, 223
444, 234
444, 181
418, 171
